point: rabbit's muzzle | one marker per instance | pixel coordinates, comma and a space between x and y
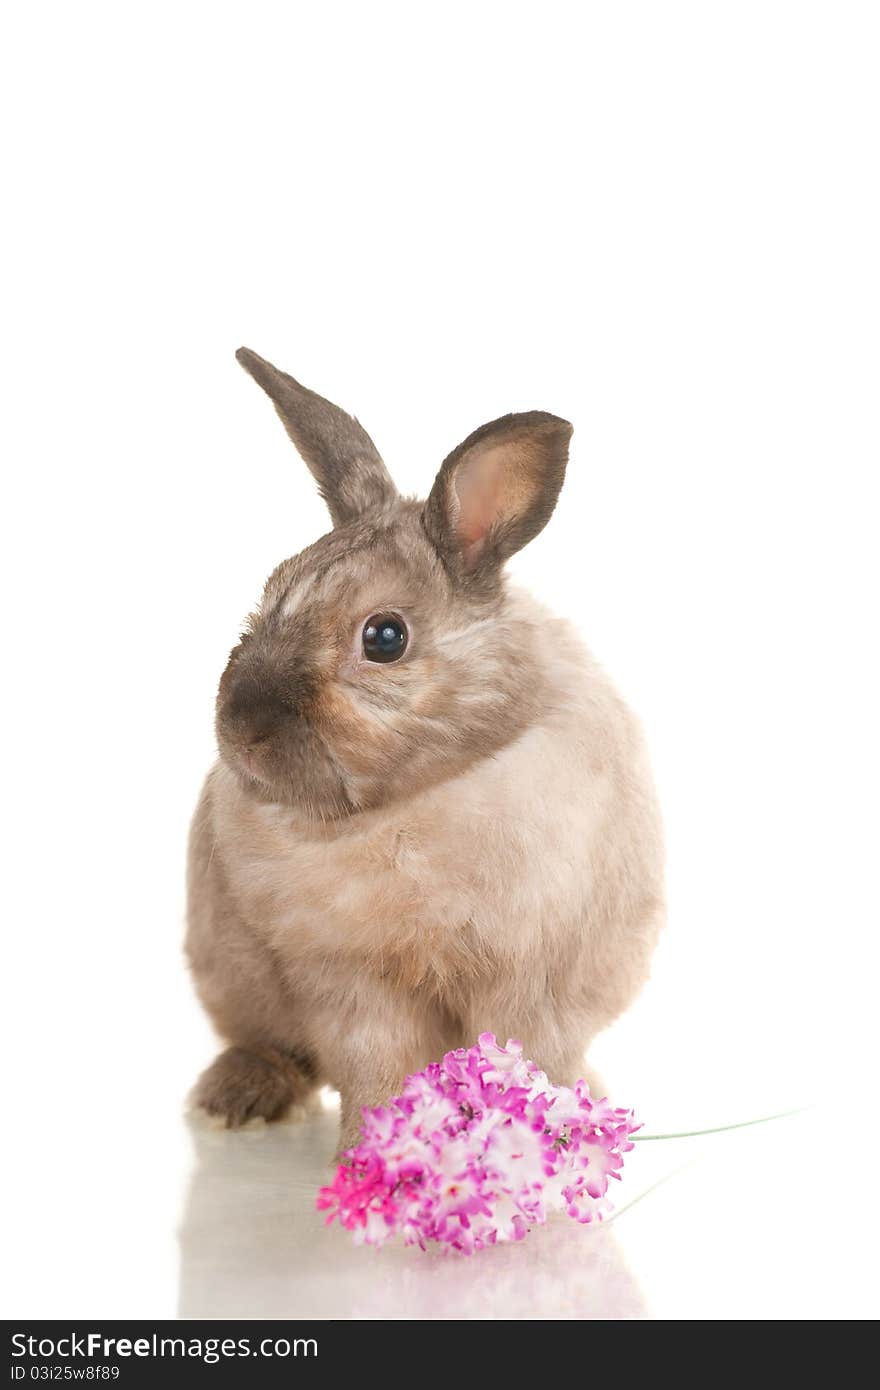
251, 718
266, 736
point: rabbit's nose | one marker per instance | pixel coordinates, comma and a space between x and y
251, 716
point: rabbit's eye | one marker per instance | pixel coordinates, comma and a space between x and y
385, 637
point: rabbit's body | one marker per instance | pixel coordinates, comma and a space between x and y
513, 884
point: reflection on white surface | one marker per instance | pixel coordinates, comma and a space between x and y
727, 1226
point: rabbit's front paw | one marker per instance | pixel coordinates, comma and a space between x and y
242, 1085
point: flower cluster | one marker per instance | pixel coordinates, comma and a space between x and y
476, 1150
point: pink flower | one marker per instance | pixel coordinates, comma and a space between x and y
478, 1149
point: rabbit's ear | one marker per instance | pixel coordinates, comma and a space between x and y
496, 491
345, 462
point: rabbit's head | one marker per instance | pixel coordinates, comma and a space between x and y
385, 657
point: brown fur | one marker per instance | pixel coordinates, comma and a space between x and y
343, 458
251, 1083
391, 858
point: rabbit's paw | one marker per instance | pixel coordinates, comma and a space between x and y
242, 1085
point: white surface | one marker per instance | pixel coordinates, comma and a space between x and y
659, 221
723, 1227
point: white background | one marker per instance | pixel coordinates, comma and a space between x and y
658, 220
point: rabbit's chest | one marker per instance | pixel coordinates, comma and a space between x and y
436, 897
398, 888
487, 870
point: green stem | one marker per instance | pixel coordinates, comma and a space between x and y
719, 1129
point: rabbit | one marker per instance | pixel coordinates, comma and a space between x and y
431, 816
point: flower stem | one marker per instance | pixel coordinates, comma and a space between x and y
719, 1129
